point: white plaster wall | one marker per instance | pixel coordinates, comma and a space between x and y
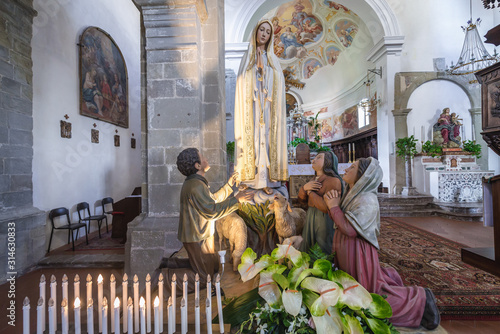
68, 171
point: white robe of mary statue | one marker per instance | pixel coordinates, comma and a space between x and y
260, 119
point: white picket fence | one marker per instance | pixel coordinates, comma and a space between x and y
135, 315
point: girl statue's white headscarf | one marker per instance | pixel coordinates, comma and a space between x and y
360, 204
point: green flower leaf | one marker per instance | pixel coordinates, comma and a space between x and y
380, 307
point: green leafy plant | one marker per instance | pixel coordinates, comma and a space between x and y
406, 147
294, 289
324, 149
313, 146
298, 141
472, 147
260, 220
432, 149
230, 151
316, 125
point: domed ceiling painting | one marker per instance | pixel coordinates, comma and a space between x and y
310, 34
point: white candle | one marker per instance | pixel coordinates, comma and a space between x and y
349, 147
89, 287
78, 329
183, 316
157, 315
185, 288
99, 300
104, 315
116, 317
130, 316
76, 286
64, 316
197, 316
125, 307
160, 297
219, 303
174, 301
64, 286
53, 296
209, 287
52, 326
136, 303
148, 303
142, 302
422, 133
170, 326
197, 286
90, 316
26, 316
43, 296
208, 311
39, 310
112, 296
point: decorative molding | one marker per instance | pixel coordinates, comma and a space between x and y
235, 50
387, 45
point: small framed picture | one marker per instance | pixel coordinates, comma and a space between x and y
117, 140
65, 129
132, 142
94, 136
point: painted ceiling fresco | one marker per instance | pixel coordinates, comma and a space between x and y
310, 34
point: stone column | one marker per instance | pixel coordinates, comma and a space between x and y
476, 117
20, 223
401, 130
183, 107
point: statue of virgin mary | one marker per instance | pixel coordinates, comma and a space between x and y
260, 114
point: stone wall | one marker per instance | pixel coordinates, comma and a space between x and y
16, 139
184, 95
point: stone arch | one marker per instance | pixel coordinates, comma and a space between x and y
407, 82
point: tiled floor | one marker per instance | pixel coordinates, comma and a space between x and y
62, 262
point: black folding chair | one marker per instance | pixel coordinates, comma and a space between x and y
70, 227
99, 218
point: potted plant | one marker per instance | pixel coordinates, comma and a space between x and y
431, 149
406, 149
473, 148
316, 125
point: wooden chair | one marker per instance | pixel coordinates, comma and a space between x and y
70, 227
99, 218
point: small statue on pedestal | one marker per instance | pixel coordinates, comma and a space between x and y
447, 130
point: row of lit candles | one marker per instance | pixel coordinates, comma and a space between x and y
136, 311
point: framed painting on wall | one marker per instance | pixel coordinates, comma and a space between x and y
103, 78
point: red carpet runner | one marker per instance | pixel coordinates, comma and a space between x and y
421, 258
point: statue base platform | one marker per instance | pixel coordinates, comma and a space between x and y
409, 191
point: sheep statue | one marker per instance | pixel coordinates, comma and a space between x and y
233, 228
289, 222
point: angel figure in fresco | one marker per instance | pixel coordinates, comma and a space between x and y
260, 117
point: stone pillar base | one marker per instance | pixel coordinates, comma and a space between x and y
149, 239
409, 191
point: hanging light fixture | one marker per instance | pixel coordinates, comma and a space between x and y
367, 104
474, 56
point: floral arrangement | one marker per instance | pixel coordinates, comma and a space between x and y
303, 296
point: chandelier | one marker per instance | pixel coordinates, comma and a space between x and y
474, 56
368, 104
490, 4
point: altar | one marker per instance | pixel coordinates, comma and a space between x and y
303, 173
451, 177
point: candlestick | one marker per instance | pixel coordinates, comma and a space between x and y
26, 316
160, 297
125, 307
219, 303
197, 316
185, 288
99, 300
39, 310
43, 296
53, 295
90, 316
64, 286
148, 303
76, 286
208, 313
136, 304
197, 286
78, 329
183, 316
104, 315
170, 328
157, 315
89, 287
130, 311
64, 316
422, 133
52, 327
174, 301
116, 318
112, 297
143, 315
